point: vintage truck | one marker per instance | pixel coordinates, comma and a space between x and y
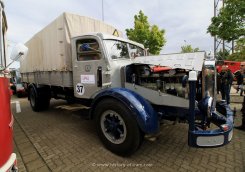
114, 79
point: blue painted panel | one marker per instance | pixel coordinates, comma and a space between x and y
141, 109
223, 116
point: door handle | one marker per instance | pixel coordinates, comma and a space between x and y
75, 66
99, 76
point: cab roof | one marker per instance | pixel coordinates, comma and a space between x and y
104, 36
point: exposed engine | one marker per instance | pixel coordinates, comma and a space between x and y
164, 79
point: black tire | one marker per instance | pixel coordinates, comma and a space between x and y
131, 137
19, 95
39, 101
34, 100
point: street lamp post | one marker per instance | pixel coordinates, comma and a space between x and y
102, 10
216, 40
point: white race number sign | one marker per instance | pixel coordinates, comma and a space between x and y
80, 89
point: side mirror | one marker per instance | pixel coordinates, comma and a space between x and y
18, 51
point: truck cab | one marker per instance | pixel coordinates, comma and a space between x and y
97, 61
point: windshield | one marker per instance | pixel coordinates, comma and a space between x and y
122, 50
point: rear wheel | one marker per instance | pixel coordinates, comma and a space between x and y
34, 101
116, 127
39, 101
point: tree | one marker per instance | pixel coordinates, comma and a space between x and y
188, 49
222, 55
229, 24
239, 54
150, 36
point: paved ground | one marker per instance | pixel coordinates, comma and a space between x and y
63, 140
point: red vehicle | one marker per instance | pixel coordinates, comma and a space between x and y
232, 65
7, 157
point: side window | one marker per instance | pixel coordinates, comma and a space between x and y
88, 49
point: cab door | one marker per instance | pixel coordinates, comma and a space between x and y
89, 66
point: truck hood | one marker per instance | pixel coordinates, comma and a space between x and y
189, 61
121, 63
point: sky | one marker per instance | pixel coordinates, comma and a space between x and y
184, 22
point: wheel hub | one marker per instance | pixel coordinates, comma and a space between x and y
113, 127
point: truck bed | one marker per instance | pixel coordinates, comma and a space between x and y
54, 78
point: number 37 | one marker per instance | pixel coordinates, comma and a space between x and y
80, 89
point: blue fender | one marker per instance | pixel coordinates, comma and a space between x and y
141, 109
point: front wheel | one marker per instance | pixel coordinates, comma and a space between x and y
117, 128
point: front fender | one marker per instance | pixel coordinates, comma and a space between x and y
141, 109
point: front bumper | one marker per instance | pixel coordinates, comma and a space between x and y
221, 136
10, 165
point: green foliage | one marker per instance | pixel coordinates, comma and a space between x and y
230, 23
150, 36
222, 55
239, 54
188, 49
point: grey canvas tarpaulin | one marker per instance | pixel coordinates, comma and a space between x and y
49, 49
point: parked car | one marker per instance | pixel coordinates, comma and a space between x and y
15, 83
